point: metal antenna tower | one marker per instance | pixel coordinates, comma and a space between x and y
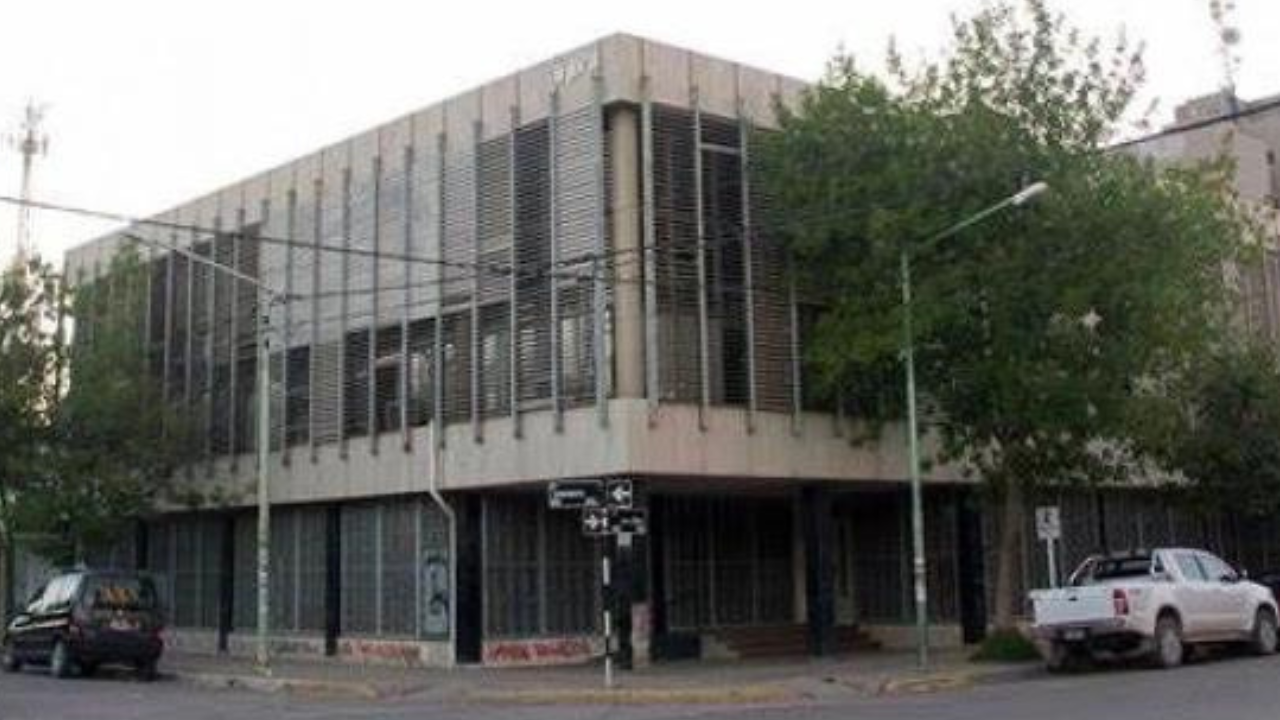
31, 142
1223, 14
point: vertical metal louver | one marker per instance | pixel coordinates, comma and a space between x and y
222, 360
771, 308
532, 254
577, 206
391, 296
201, 351
327, 348
495, 237
360, 286
458, 246
725, 283
675, 220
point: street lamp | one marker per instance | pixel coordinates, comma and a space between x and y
1023, 196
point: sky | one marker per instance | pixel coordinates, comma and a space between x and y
153, 102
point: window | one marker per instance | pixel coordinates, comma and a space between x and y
541, 573
245, 435
1190, 569
122, 593
1215, 569
297, 407
1117, 568
57, 595
387, 378
379, 568
495, 366
421, 353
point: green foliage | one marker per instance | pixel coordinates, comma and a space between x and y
1227, 435
118, 441
1044, 333
87, 446
29, 358
1006, 646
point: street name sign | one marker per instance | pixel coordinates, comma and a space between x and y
575, 494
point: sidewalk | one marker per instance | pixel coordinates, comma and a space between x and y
786, 680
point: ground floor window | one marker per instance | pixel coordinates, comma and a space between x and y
184, 555
385, 552
540, 571
728, 561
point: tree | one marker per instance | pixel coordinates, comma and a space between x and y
30, 301
1226, 439
86, 444
1043, 333
118, 441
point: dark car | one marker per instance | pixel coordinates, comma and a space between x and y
1271, 579
81, 620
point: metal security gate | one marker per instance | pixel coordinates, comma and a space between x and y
727, 561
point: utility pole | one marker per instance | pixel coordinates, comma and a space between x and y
267, 298
30, 142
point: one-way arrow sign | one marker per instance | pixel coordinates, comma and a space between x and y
618, 493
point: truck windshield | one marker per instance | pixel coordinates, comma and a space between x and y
1118, 568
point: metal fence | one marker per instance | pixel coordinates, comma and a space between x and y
541, 574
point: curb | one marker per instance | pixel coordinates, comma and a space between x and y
743, 695
789, 691
927, 683
954, 680
292, 686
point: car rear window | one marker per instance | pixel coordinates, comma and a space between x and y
122, 593
1118, 568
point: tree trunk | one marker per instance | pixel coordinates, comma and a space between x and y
1008, 557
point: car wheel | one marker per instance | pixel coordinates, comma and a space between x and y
9, 661
1169, 649
1264, 632
60, 663
88, 669
146, 670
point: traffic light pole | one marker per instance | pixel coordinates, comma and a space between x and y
607, 603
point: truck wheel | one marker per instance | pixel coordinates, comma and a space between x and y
60, 662
1264, 632
1168, 641
1060, 658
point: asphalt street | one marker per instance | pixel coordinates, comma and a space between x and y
1225, 689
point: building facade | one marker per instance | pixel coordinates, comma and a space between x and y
1247, 134
558, 275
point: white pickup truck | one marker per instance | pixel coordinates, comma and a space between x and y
1154, 603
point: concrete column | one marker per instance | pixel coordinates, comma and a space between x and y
333, 579
624, 206
818, 530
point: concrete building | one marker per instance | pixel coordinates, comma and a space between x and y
558, 275
1247, 133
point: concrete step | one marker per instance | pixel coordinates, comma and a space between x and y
786, 640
